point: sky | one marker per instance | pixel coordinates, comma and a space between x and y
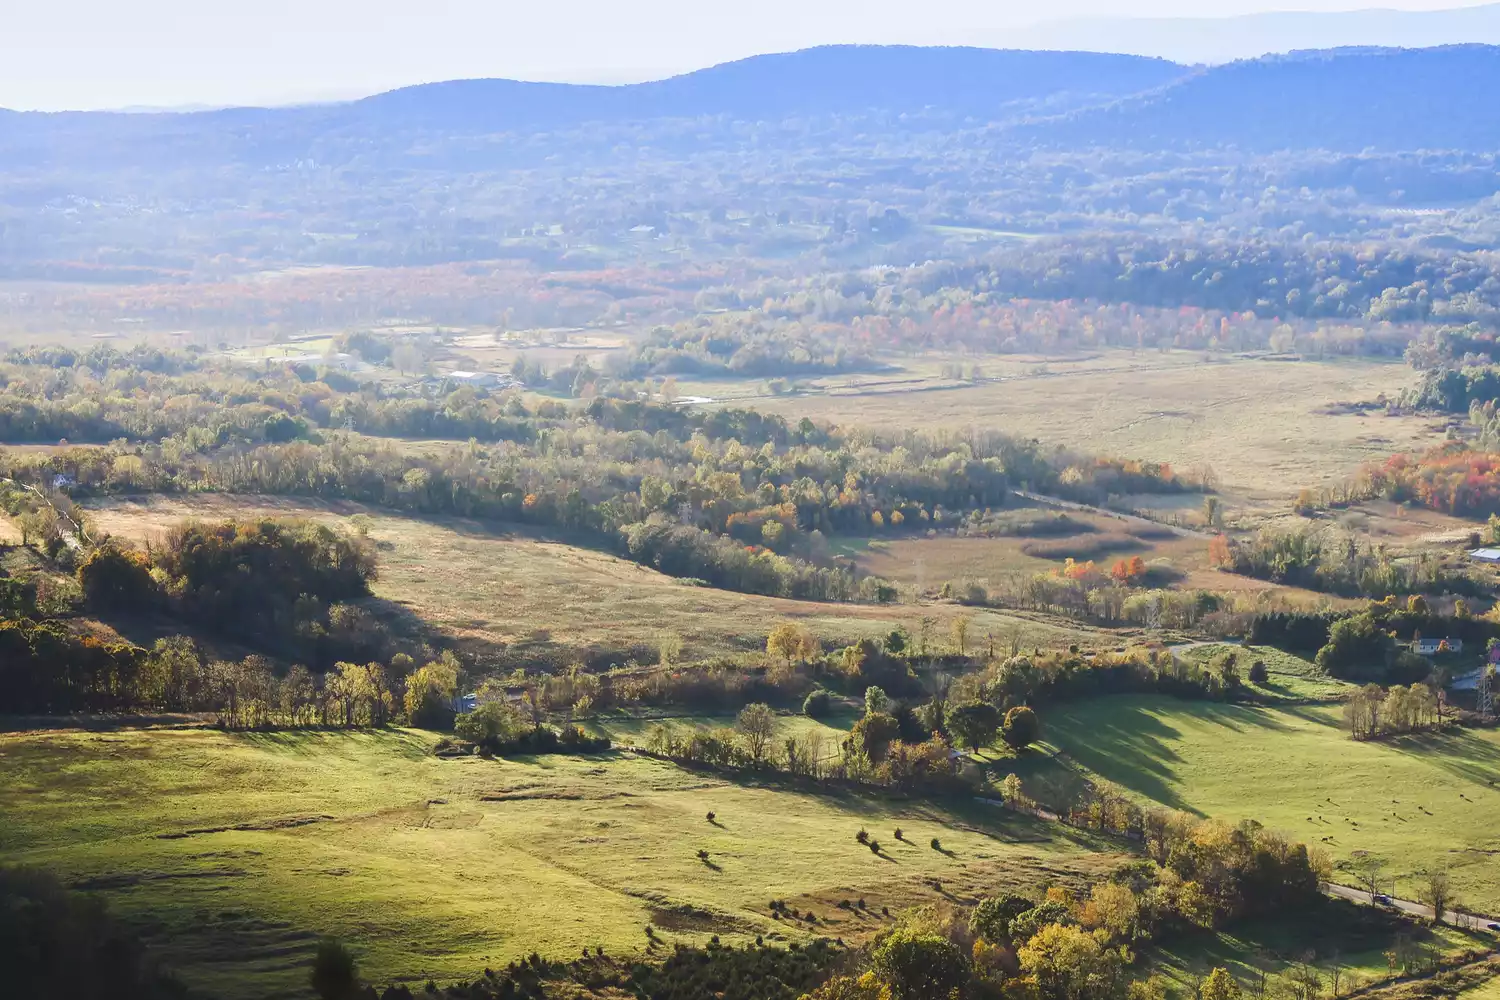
90, 54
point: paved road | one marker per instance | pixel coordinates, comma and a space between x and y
1404, 905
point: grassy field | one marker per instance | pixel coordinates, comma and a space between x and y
529, 593
926, 563
1290, 677
235, 852
1258, 424
1340, 935
632, 730
1487, 991
1419, 803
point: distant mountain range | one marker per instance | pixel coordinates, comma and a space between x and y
986, 84
1225, 39
1340, 99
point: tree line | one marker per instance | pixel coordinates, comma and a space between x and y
739, 499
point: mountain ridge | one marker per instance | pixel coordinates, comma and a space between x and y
1343, 99
1216, 40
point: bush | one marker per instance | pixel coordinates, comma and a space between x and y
1023, 926
499, 728
116, 580
973, 725
920, 966
56, 943
492, 722
991, 919
333, 974
1259, 674
1021, 727
817, 705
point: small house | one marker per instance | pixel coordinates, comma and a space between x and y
483, 380
1431, 647
1490, 556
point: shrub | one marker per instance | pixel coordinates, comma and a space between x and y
1021, 727
937, 845
1258, 673
817, 705
1023, 926
115, 580
920, 966
974, 724
492, 722
991, 919
333, 974
57, 943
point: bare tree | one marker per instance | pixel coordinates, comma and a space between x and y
757, 724
1368, 869
1437, 894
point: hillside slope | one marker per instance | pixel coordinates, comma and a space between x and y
1211, 39
1338, 99
986, 84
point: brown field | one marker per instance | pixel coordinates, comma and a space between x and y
1257, 424
480, 584
927, 563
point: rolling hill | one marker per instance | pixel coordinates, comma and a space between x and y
1339, 99
1248, 36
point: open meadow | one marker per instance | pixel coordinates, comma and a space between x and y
235, 852
924, 563
1419, 803
1266, 428
532, 594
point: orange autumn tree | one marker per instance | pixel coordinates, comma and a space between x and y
1085, 572
1128, 571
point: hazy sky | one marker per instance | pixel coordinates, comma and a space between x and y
118, 53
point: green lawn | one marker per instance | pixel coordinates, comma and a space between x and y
633, 730
1419, 802
1489, 990
1291, 677
235, 852
1340, 936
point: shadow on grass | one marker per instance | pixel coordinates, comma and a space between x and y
1461, 752
1330, 931
307, 742
1127, 741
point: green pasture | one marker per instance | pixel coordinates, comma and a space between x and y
235, 852
1290, 677
1419, 803
1337, 939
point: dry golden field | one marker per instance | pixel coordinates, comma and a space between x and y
1259, 425
480, 583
